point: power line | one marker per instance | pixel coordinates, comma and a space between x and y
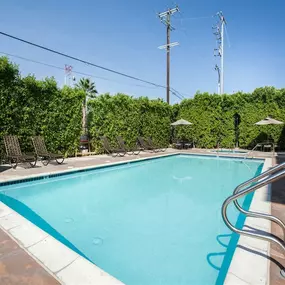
197, 18
73, 71
178, 95
82, 61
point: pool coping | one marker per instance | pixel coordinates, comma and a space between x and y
250, 263
69, 267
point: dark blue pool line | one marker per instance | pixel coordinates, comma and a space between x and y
231, 247
46, 176
38, 221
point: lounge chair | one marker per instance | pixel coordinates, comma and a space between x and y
42, 152
130, 151
14, 154
178, 145
187, 144
144, 145
151, 143
109, 150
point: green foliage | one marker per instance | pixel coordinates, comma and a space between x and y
88, 87
90, 91
122, 115
38, 107
155, 119
213, 118
32, 107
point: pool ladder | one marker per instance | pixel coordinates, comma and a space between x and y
265, 178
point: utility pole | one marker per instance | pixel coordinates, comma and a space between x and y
165, 18
217, 68
219, 33
222, 19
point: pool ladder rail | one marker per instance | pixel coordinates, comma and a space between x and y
265, 178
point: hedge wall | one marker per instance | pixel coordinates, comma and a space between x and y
33, 107
128, 117
39, 107
214, 116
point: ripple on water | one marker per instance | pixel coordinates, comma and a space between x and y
68, 220
97, 241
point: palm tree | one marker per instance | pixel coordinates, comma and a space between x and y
90, 92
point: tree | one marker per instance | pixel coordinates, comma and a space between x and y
90, 91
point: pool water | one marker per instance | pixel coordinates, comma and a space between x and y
146, 223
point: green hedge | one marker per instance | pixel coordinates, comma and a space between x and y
122, 115
32, 107
39, 107
213, 118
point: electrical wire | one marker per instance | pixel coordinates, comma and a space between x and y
81, 60
173, 91
84, 61
197, 18
73, 71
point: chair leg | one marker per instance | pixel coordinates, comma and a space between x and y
59, 160
14, 162
45, 160
33, 163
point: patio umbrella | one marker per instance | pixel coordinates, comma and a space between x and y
181, 122
269, 121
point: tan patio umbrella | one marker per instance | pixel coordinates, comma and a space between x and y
181, 122
269, 121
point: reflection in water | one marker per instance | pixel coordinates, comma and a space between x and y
229, 242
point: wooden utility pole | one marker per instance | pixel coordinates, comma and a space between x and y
165, 18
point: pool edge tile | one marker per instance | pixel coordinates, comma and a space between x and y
46, 175
48, 252
27, 234
243, 255
81, 271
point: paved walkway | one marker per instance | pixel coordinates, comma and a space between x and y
17, 267
278, 210
73, 163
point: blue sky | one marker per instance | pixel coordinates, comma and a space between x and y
124, 35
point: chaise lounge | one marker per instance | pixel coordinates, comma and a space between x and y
111, 151
14, 154
42, 152
130, 151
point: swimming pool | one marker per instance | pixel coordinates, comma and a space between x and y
150, 222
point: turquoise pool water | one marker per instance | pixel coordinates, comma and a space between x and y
146, 223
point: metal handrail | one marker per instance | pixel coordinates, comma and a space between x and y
238, 193
251, 151
256, 214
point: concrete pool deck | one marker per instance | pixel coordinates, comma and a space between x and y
42, 269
